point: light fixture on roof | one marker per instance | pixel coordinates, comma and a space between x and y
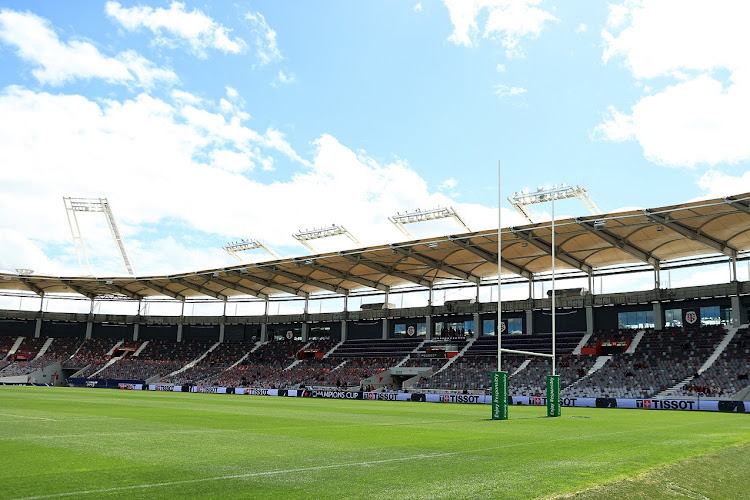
325, 232
399, 220
234, 248
73, 205
432, 244
660, 228
550, 193
24, 272
599, 223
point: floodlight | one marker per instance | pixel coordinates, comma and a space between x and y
233, 248
419, 215
73, 205
24, 272
550, 193
325, 232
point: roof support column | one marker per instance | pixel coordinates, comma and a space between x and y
346, 301
38, 328
733, 268
429, 328
658, 316
478, 288
344, 330
305, 331
477, 325
264, 331
531, 288
430, 295
657, 275
136, 328
307, 304
590, 277
739, 313
386, 325
529, 322
589, 319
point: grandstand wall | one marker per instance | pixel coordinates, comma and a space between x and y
577, 314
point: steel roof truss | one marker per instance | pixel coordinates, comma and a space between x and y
364, 261
306, 280
199, 289
348, 276
436, 264
239, 288
31, 286
162, 290
124, 291
695, 235
270, 284
736, 204
559, 254
621, 243
492, 258
78, 289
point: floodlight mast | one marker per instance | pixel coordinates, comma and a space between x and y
326, 232
73, 205
550, 193
399, 220
234, 248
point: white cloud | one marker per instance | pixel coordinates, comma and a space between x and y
718, 184
581, 28
418, 7
232, 93
507, 91
185, 97
56, 62
175, 25
286, 78
509, 21
267, 49
171, 169
698, 116
500, 68
448, 184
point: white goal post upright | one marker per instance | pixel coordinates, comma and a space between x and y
500, 378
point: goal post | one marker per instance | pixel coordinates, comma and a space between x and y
500, 378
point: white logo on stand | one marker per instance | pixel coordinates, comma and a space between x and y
502, 327
289, 335
691, 317
411, 331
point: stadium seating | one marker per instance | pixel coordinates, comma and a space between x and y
661, 360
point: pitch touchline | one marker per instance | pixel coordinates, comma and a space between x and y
332, 466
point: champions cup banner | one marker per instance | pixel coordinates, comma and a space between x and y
569, 402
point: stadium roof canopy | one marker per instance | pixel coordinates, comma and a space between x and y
652, 237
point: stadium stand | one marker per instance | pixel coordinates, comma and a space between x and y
663, 358
729, 373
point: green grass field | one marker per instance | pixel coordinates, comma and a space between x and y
95, 443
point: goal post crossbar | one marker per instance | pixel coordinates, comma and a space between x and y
527, 353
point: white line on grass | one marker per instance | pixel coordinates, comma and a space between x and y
26, 416
165, 433
686, 492
421, 456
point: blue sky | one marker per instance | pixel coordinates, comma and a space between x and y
203, 123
